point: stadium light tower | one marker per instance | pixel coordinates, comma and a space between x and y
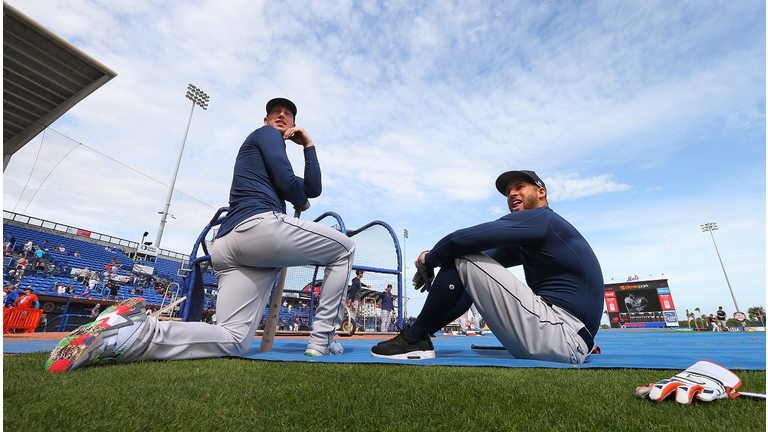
199, 98
404, 315
711, 226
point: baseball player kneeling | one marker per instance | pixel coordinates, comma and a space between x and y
554, 317
254, 242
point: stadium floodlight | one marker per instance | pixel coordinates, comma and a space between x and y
709, 227
404, 315
199, 98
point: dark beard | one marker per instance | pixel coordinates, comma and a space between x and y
530, 202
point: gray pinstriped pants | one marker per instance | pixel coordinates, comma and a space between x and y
247, 260
526, 326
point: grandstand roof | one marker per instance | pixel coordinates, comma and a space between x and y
43, 77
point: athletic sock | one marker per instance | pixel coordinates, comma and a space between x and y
446, 301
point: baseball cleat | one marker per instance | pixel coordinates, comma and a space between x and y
106, 338
404, 347
334, 348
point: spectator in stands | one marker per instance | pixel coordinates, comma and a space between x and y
44, 246
62, 249
61, 289
91, 284
65, 270
76, 254
113, 287
28, 299
95, 311
22, 263
7, 251
84, 275
39, 253
11, 295
18, 276
40, 266
27, 249
6, 239
70, 288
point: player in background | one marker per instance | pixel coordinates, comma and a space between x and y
352, 294
255, 241
722, 317
387, 306
554, 317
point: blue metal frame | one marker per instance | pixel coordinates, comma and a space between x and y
192, 306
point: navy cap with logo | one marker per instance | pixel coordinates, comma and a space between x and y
281, 102
527, 176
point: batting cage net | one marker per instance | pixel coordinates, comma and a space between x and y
377, 254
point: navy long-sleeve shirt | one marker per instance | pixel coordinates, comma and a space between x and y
559, 264
264, 180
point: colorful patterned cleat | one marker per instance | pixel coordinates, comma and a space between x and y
108, 336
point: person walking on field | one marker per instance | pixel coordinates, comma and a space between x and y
255, 241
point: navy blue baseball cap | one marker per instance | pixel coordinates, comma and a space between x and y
527, 176
282, 102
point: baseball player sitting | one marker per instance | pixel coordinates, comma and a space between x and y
554, 317
254, 242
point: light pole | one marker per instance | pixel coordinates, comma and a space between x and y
405, 277
199, 98
711, 226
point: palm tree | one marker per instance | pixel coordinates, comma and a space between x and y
688, 315
757, 312
697, 320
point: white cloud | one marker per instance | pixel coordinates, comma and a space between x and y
569, 188
625, 109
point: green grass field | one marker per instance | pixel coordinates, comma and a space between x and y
246, 395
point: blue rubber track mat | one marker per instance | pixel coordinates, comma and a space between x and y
621, 349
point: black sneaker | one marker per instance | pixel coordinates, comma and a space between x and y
404, 347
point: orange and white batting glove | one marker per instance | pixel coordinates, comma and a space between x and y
705, 381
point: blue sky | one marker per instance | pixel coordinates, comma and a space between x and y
645, 119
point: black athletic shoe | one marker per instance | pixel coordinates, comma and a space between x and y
404, 347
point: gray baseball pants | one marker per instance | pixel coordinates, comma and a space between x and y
527, 326
386, 318
247, 260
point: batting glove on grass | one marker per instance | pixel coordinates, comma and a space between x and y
705, 381
424, 276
